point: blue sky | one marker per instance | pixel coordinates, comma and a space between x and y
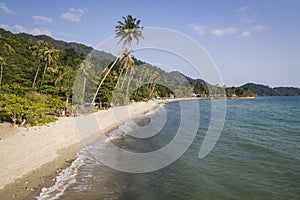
250, 41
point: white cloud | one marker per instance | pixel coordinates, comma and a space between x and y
259, 28
254, 29
40, 31
19, 28
222, 32
74, 15
71, 17
80, 10
246, 33
41, 19
199, 29
243, 9
7, 10
5, 27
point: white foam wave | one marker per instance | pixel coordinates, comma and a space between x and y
156, 110
66, 178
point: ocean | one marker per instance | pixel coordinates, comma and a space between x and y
257, 156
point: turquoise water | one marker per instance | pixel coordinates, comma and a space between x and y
256, 157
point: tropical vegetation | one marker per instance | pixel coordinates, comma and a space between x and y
42, 78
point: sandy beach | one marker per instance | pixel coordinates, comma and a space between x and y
32, 157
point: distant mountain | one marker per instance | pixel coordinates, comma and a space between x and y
264, 90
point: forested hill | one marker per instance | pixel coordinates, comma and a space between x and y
40, 75
80, 49
263, 90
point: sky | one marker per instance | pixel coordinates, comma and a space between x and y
249, 41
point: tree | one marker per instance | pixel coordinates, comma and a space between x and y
46, 55
18, 108
127, 64
2, 63
65, 81
127, 31
38, 54
50, 57
2, 59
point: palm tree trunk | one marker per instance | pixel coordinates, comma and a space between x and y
1, 73
119, 78
43, 77
124, 79
67, 99
152, 90
35, 77
129, 81
83, 90
106, 74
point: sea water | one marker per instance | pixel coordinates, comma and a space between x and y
256, 157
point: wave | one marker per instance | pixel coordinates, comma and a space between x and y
68, 176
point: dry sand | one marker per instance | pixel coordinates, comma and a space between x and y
31, 157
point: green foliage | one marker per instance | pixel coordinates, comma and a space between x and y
39, 75
56, 103
264, 90
235, 92
142, 93
30, 109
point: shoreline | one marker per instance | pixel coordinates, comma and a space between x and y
29, 183
31, 158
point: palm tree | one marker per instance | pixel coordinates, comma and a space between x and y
2, 59
127, 63
127, 31
2, 63
67, 82
38, 54
45, 54
50, 56
85, 66
152, 82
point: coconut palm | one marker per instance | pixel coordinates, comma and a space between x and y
2, 63
153, 78
38, 54
50, 56
85, 67
2, 59
127, 63
46, 55
127, 31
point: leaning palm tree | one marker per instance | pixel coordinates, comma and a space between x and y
127, 31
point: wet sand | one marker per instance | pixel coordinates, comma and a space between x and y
32, 157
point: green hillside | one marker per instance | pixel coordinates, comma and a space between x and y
263, 90
41, 76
